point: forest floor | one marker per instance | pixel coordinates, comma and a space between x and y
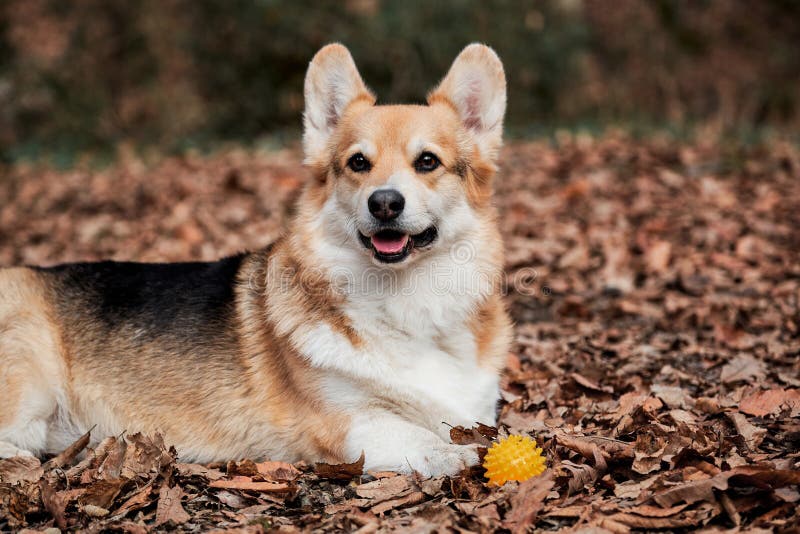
655, 287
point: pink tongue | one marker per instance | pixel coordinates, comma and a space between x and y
389, 245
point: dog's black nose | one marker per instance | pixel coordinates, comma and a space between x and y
386, 204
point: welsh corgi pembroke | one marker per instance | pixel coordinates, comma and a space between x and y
373, 325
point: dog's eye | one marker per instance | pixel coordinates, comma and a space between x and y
426, 162
358, 163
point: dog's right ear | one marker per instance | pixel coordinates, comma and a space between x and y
332, 84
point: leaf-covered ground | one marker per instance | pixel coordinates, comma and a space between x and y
655, 287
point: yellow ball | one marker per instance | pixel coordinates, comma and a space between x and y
513, 458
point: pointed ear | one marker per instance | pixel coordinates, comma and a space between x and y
475, 86
332, 84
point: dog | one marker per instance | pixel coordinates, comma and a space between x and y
375, 323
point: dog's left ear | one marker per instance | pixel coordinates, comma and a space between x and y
476, 86
332, 84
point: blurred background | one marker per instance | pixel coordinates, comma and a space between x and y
86, 75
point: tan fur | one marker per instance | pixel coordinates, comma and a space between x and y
492, 330
30, 346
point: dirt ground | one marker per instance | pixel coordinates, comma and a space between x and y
655, 287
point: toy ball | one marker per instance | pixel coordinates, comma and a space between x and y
513, 458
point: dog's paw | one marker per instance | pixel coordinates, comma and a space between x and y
444, 459
8, 450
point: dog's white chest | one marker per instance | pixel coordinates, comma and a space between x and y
453, 386
420, 361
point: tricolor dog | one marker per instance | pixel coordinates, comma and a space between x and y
375, 323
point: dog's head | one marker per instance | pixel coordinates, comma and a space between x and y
395, 182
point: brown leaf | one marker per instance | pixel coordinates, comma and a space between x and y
647, 462
231, 500
771, 402
20, 469
92, 460
468, 436
111, 466
190, 470
632, 490
743, 368
278, 471
414, 497
343, 471
648, 517
144, 456
384, 488
246, 483
245, 468
169, 507
587, 446
583, 475
56, 502
137, 501
102, 493
590, 384
740, 477
527, 502
752, 435
68, 454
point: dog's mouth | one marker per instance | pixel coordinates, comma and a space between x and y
392, 246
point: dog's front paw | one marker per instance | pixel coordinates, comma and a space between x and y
8, 450
444, 459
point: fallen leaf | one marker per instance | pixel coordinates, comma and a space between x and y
741, 477
673, 396
169, 507
771, 402
587, 446
231, 499
278, 471
673, 518
752, 435
343, 471
415, 497
631, 489
189, 470
246, 483
56, 502
101, 493
68, 454
469, 436
20, 469
137, 501
589, 384
743, 368
527, 502
384, 488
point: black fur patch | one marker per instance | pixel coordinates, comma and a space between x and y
159, 299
